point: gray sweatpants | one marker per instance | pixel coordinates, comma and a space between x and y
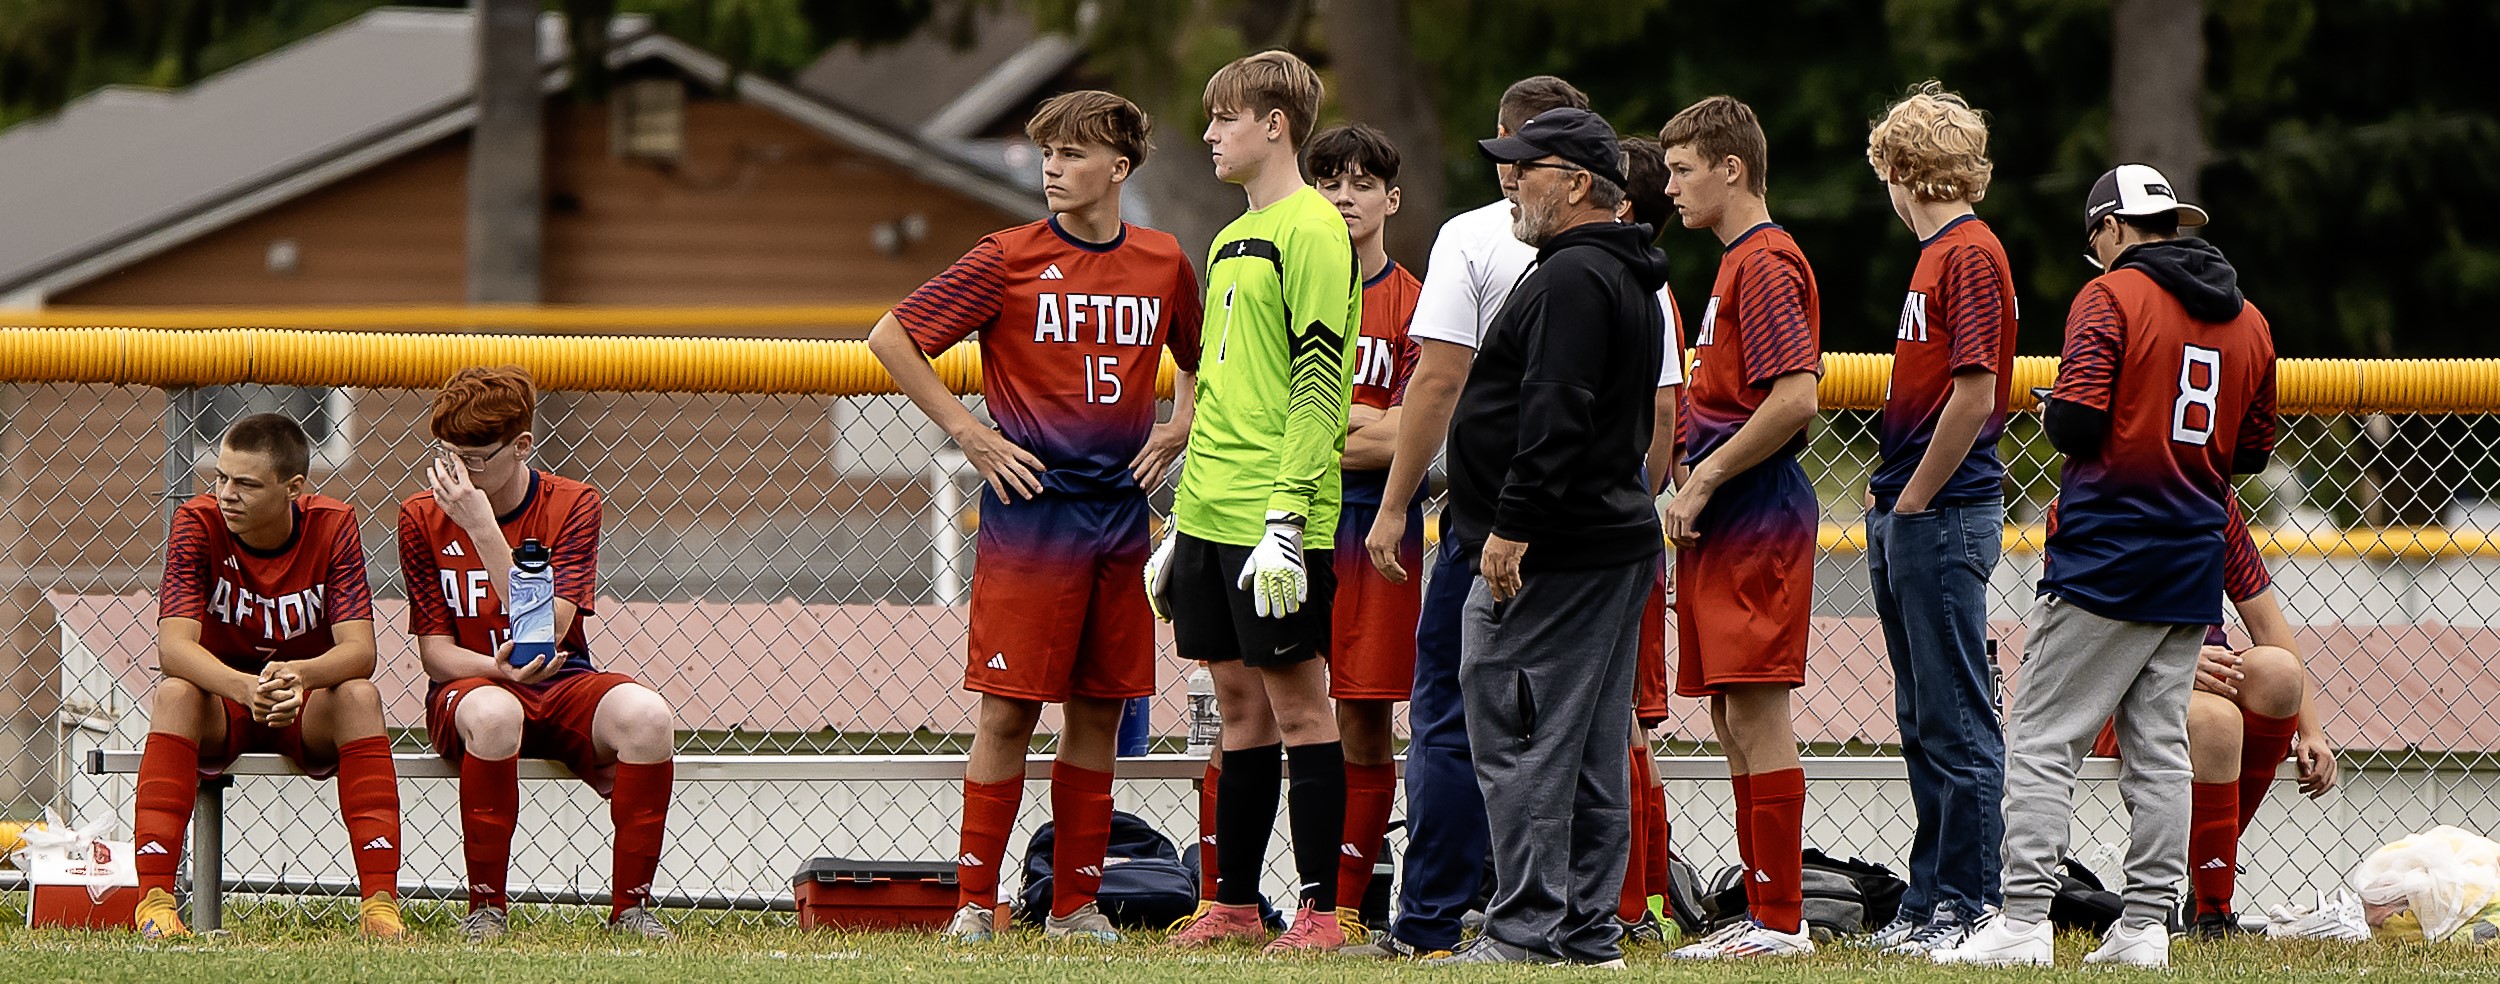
2078, 669
1547, 678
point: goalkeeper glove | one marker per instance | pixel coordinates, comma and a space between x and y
1159, 577
1275, 577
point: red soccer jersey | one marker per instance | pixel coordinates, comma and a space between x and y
255, 607
1069, 338
1763, 321
1384, 359
450, 592
2139, 524
2244, 573
1959, 315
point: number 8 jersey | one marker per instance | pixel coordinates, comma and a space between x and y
2184, 367
1071, 339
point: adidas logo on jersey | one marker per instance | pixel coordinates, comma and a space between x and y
1051, 272
969, 861
377, 844
153, 847
453, 550
997, 661
231, 564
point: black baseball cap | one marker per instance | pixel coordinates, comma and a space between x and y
1576, 135
2136, 189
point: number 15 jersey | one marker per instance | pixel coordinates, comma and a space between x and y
2137, 531
1071, 334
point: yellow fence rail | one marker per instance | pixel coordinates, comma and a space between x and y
159, 356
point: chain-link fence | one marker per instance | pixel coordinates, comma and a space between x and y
788, 570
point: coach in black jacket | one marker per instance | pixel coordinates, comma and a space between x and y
1546, 488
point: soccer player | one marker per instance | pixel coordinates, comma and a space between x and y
1645, 202
1261, 475
1371, 655
1475, 262
2165, 391
1073, 313
2250, 709
456, 540
1937, 523
265, 636
1743, 521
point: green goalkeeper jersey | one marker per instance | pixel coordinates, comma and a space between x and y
1284, 302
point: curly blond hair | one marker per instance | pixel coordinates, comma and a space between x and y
1933, 143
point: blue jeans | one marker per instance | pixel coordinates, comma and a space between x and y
1930, 573
1447, 840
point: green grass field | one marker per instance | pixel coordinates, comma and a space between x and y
553, 945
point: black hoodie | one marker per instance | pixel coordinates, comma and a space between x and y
1546, 445
2194, 272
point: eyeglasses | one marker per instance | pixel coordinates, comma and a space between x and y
2092, 246
473, 461
1541, 165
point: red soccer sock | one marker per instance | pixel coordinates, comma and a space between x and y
490, 803
1206, 832
369, 802
1649, 810
2264, 743
638, 806
169, 782
989, 816
2214, 845
1080, 810
1744, 824
1777, 885
1635, 898
1368, 792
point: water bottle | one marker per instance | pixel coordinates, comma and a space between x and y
1206, 724
1136, 715
533, 607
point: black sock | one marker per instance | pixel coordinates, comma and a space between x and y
1318, 812
1245, 817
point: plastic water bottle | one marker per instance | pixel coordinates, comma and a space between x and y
533, 608
1206, 724
1136, 716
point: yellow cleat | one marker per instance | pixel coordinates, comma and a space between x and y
156, 918
378, 917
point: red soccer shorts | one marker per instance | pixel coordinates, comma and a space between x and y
246, 735
1649, 682
556, 718
1059, 600
1371, 653
1745, 594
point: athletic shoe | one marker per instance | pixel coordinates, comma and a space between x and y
1086, 923
1312, 931
484, 923
2217, 925
1222, 923
378, 917
1646, 931
155, 917
1383, 946
2003, 941
1487, 950
2336, 917
641, 921
2147, 946
1893, 933
1944, 932
1350, 923
1759, 940
972, 924
1184, 921
1707, 947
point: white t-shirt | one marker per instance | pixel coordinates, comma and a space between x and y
1475, 263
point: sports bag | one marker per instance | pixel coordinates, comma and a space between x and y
1144, 883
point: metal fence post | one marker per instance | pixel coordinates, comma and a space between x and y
208, 854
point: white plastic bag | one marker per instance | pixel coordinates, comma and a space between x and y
59, 855
2445, 874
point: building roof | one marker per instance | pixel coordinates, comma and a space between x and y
943, 91
124, 173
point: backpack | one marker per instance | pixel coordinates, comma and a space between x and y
2081, 901
1144, 883
1841, 898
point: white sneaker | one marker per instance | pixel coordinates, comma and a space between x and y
1754, 939
2147, 946
1941, 933
1707, 947
2003, 942
1892, 934
972, 924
